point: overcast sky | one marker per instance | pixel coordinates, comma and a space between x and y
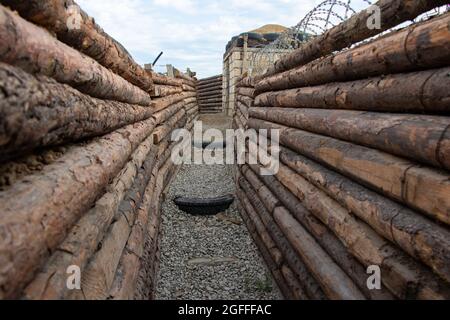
192, 33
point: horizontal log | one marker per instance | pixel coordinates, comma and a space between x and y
188, 88
207, 85
306, 274
397, 52
401, 274
163, 130
36, 111
418, 92
324, 236
36, 51
248, 102
189, 100
310, 285
146, 280
422, 138
209, 79
211, 106
282, 283
85, 236
292, 283
260, 229
16, 170
209, 93
185, 78
88, 37
162, 103
211, 100
164, 90
192, 111
246, 82
217, 91
248, 92
165, 114
416, 235
83, 171
354, 30
99, 274
333, 280
164, 80
421, 188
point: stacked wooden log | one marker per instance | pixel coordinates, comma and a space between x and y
364, 177
210, 94
85, 143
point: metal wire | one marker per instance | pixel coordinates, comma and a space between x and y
324, 16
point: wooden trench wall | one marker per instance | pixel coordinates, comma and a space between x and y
85, 143
209, 92
363, 182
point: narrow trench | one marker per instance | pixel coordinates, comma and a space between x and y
209, 257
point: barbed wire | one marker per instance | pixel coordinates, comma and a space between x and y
324, 16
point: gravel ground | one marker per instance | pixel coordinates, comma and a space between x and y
209, 257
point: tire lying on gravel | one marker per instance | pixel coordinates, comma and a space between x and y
207, 206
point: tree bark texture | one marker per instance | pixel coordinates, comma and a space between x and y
415, 92
36, 51
401, 272
36, 111
38, 211
416, 235
88, 37
324, 236
419, 187
312, 255
99, 274
85, 236
275, 270
425, 139
420, 46
354, 30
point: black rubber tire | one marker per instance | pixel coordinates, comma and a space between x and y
209, 206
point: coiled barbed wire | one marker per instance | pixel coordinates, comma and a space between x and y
324, 16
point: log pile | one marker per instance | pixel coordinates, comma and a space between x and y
364, 175
85, 144
210, 94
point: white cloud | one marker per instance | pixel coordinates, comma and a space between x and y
192, 33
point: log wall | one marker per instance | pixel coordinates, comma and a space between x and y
209, 92
364, 176
85, 142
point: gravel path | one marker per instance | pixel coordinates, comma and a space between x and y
209, 257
